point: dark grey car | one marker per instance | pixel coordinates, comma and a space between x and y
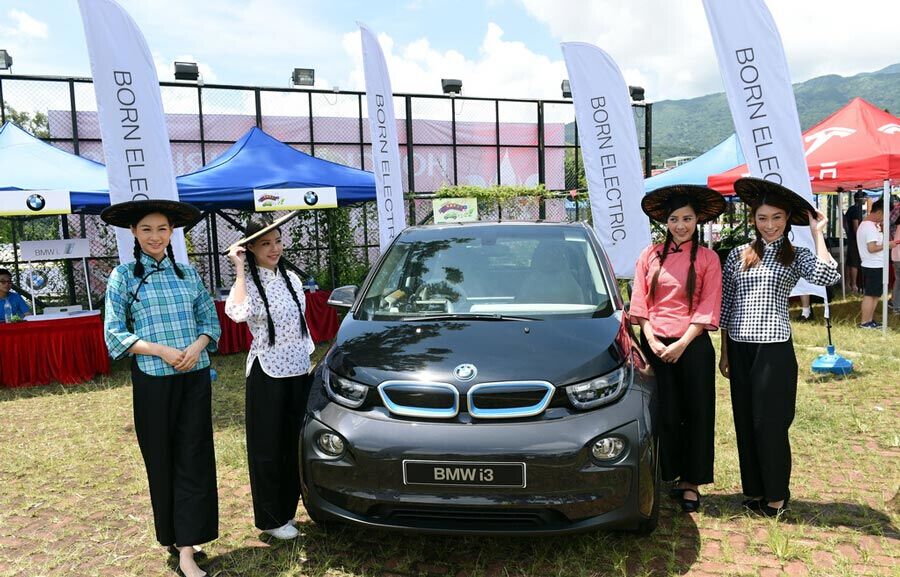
485, 380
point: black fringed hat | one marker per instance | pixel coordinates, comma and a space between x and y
751, 190
707, 202
128, 214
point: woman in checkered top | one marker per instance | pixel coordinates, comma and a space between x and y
757, 351
676, 299
159, 313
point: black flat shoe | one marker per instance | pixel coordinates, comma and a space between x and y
768, 511
687, 505
752, 504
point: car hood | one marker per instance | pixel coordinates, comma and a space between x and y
561, 351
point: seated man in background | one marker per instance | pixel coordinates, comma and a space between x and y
17, 304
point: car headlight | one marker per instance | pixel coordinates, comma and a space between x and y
601, 390
344, 391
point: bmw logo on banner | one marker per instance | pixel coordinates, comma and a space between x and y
294, 198
35, 202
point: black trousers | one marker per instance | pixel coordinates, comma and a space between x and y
275, 408
763, 398
173, 423
687, 410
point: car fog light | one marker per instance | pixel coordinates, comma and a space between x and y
331, 444
608, 448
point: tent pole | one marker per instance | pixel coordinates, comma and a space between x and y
840, 219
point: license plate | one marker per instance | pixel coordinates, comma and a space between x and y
464, 473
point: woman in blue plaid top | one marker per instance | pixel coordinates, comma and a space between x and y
757, 351
159, 313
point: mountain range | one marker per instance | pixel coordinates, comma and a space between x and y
693, 126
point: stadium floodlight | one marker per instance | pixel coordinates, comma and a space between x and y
303, 77
187, 71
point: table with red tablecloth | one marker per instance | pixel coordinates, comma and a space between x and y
68, 350
321, 319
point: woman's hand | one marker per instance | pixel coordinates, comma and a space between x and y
818, 222
190, 358
673, 352
656, 346
236, 256
723, 366
171, 355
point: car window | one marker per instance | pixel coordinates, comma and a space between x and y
525, 271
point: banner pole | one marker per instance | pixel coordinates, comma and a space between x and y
87, 284
31, 287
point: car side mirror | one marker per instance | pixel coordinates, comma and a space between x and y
343, 297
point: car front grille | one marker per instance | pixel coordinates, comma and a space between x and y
420, 399
509, 400
500, 400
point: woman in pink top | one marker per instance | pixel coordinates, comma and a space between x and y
676, 300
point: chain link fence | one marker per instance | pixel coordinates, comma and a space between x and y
443, 141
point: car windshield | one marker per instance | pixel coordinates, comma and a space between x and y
482, 272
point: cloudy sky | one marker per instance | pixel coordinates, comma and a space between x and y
504, 48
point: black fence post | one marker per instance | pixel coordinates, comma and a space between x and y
453, 137
2, 104
648, 139
410, 164
213, 226
542, 176
497, 138
202, 134
258, 101
64, 219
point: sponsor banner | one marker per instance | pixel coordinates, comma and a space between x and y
129, 105
385, 145
759, 93
455, 210
35, 203
612, 160
268, 199
34, 250
432, 156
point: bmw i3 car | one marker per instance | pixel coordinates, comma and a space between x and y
484, 380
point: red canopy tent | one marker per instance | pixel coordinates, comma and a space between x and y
857, 146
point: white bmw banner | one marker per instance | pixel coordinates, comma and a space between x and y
758, 87
35, 202
385, 145
612, 160
129, 105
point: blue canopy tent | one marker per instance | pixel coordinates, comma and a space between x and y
28, 163
258, 161
724, 156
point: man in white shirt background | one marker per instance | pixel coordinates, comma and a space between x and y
871, 253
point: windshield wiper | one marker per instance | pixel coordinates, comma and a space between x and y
468, 317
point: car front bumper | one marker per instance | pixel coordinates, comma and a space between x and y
565, 489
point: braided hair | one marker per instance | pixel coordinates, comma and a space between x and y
254, 274
753, 254
674, 204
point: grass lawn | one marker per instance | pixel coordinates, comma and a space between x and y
73, 496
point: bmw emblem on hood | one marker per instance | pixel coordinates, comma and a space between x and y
465, 372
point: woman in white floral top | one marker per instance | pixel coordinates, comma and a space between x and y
273, 306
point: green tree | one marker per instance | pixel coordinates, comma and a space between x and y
34, 122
